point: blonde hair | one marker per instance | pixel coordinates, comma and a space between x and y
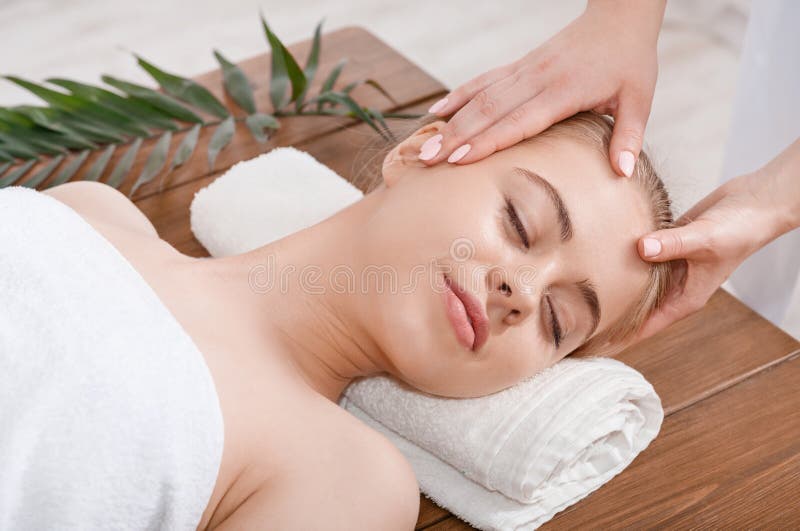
595, 130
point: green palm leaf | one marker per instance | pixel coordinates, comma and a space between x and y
236, 84
70, 169
80, 106
137, 109
16, 149
43, 173
284, 71
185, 89
327, 86
97, 168
310, 69
124, 165
222, 136
154, 163
258, 123
25, 141
15, 174
53, 120
85, 118
164, 103
186, 147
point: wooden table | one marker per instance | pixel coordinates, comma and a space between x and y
728, 454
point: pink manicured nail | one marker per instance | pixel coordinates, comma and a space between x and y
428, 144
438, 106
626, 163
430, 147
459, 153
429, 153
651, 246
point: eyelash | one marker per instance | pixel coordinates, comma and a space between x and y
515, 221
557, 333
513, 218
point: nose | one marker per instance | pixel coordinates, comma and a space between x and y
513, 296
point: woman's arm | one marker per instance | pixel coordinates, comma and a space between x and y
605, 60
717, 234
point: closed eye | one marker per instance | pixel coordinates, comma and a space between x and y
556, 326
515, 221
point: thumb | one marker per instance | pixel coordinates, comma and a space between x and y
626, 141
672, 244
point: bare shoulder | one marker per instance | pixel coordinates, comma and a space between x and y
102, 203
354, 478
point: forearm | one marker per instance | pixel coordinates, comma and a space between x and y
780, 185
642, 17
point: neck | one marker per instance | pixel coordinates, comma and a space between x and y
283, 292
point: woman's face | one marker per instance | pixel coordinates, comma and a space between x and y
503, 266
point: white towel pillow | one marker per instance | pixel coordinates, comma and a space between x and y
266, 198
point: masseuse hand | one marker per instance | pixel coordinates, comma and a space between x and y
723, 229
605, 60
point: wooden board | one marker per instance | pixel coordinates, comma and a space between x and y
729, 450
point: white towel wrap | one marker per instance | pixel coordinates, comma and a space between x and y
109, 418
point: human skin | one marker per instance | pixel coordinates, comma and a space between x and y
605, 60
721, 231
412, 225
281, 357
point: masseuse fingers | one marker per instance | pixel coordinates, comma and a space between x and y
630, 121
464, 93
523, 122
487, 107
682, 242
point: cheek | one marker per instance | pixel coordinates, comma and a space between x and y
519, 356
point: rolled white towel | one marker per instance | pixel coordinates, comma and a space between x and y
510, 460
542, 444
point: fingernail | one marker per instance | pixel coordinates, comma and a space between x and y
626, 162
428, 144
430, 147
651, 247
458, 154
438, 106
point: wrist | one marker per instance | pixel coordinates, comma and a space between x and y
773, 211
781, 182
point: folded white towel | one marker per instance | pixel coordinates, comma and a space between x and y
510, 460
266, 198
542, 444
109, 418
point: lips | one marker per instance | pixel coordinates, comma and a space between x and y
467, 316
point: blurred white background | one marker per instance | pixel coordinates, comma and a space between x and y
454, 40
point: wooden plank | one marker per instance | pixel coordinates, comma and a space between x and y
701, 355
368, 57
729, 461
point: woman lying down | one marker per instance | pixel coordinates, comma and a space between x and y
149, 389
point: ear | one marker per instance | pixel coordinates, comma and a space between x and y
405, 155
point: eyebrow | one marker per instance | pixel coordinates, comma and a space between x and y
589, 294
561, 209
586, 288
